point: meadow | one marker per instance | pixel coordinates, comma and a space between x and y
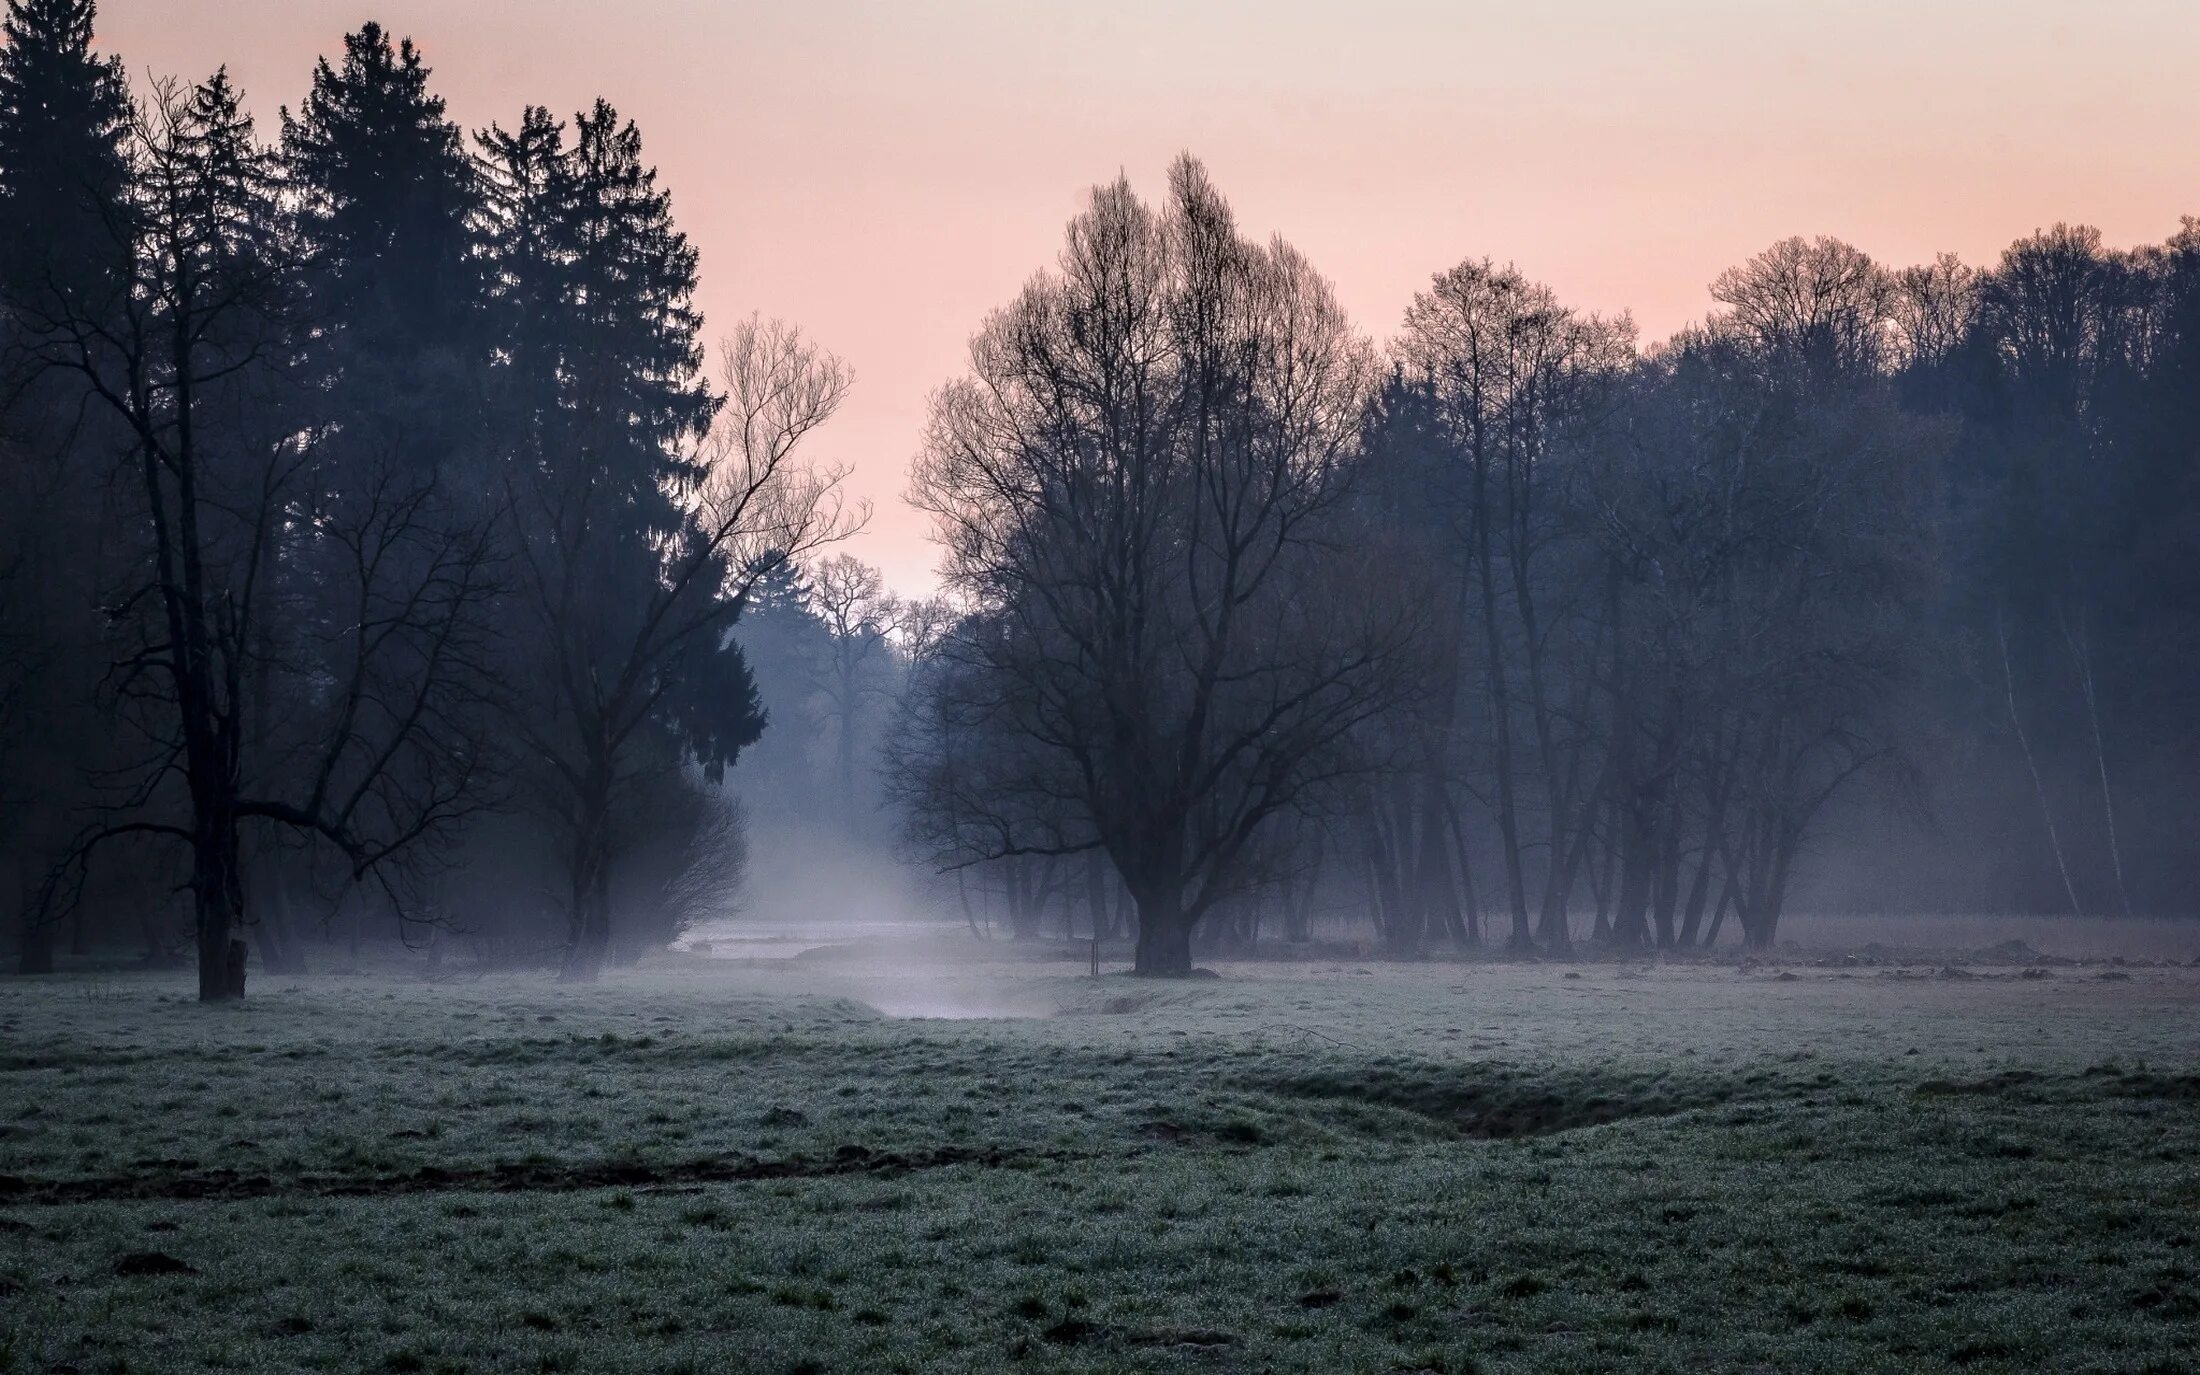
933, 1157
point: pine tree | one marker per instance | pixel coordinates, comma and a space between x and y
386, 206
523, 175
64, 118
628, 587
787, 648
386, 199
64, 251
635, 350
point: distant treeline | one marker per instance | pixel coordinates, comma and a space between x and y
377, 551
1879, 585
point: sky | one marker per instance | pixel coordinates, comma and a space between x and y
885, 172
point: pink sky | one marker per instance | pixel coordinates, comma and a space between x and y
886, 171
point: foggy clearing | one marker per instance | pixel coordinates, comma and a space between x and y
1412, 820
1324, 1165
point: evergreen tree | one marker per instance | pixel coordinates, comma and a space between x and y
637, 552
385, 207
386, 199
787, 649
64, 241
64, 117
634, 347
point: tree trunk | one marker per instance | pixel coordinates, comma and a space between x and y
1437, 895
1774, 900
1298, 910
214, 890
1409, 915
970, 913
1096, 891
1699, 892
1713, 835
1666, 886
589, 940
2082, 652
846, 749
591, 945
1508, 825
1727, 892
1558, 894
1603, 876
1470, 933
1382, 877
1637, 861
1164, 933
34, 955
1298, 898
2031, 763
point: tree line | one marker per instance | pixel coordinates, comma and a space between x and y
379, 553
1516, 631
372, 526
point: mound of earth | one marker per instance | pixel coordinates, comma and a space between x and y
2013, 952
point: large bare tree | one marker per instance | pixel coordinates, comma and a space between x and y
252, 576
1140, 484
1512, 376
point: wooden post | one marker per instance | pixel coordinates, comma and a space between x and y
1096, 957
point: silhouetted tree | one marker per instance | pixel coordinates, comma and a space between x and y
849, 599
1141, 485
1512, 375
64, 186
200, 366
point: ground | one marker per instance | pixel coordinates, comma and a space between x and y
863, 1160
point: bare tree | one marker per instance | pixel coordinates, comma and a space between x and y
614, 660
1933, 308
1141, 485
1511, 374
1821, 303
192, 357
1768, 536
849, 597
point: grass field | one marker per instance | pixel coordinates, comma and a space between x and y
1845, 1164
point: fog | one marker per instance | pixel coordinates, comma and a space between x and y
1481, 839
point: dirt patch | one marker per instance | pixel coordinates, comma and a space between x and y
1181, 1337
1125, 1004
2099, 1082
1502, 1108
223, 1184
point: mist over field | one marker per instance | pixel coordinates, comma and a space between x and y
1490, 838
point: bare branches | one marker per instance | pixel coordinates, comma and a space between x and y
634, 611
1142, 489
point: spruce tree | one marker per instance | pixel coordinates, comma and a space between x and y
64, 251
64, 118
635, 351
627, 591
385, 210
386, 199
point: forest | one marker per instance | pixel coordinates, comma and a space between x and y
1483, 840
391, 553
